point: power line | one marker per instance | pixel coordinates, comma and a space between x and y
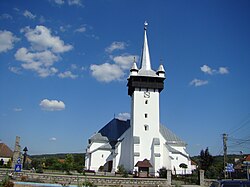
242, 124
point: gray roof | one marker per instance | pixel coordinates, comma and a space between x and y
98, 138
170, 137
113, 130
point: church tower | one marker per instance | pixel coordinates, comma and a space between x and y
144, 87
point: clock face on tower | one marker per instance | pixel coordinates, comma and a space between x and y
146, 94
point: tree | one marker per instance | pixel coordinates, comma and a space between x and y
206, 160
68, 164
184, 166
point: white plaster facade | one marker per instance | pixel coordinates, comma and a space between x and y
142, 137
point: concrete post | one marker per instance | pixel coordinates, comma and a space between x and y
169, 177
202, 178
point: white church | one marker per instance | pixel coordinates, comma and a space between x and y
141, 144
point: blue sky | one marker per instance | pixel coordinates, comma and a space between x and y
64, 65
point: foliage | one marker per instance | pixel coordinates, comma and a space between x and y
101, 168
88, 183
59, 162
206, 160
6, 182
162, 172
121, 169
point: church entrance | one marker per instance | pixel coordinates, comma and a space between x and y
143, 168
108, 166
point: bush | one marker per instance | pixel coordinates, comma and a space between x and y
6, 182
122, 171
163, 172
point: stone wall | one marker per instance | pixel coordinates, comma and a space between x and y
80, 179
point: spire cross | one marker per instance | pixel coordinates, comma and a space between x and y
145, 25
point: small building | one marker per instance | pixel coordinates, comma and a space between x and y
6, 154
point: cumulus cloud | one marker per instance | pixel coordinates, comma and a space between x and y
7, 40
41, 38
59, 2
81, 29
75, 2
198, 82
52, 105
40, 62
207, 70
29, 15
67, 74
106, 72
116, 46
123, 116
44, 52
125, 61
223, 70
16, 70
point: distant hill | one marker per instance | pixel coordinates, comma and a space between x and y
57, 155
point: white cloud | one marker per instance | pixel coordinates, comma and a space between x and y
125, 61
41, 39
67, 74
106, 72
18, 109
116, 46
198, 82
7, 40
59, 2
52, 105
52, 139
40, 62
207, 70
81, 29
75, 2
223, 70
29, 15
16, 70
123, 116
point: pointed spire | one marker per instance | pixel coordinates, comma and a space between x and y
134, 70
145, 58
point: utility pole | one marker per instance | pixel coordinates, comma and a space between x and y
225, 153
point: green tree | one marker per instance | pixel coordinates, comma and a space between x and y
205, 160
68, 164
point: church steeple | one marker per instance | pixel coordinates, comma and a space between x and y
145, 77
145, 58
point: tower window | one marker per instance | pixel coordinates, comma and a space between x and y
146, 115
146, 127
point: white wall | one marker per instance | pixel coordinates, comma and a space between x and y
138, 119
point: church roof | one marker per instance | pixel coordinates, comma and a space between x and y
98, 138
170, 137
5, 151
114, 129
